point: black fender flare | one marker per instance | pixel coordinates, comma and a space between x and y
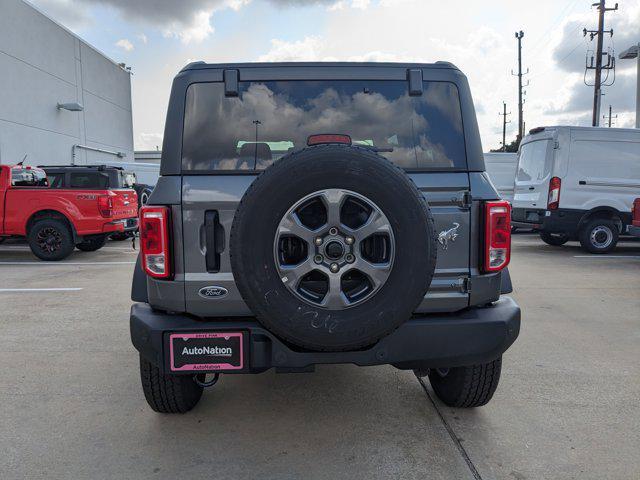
505, 282
139, 284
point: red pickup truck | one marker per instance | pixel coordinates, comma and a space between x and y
54, 221
634, 228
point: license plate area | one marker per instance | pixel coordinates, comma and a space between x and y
207, 352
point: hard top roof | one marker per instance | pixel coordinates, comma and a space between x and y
200, 65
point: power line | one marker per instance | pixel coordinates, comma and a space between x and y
504, 115
520, 74
599, 66
612, 119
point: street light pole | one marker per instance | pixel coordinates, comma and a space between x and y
629, 53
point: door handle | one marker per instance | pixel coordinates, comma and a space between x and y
532, 188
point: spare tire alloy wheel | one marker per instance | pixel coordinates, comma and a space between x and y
344, 261
333, 247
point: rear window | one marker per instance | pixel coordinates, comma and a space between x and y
28, 177
269, 119
532, 162
89, 180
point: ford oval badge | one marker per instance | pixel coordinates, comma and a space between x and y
213, 292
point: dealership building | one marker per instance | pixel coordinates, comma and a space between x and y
61, 100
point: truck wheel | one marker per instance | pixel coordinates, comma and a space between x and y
50, 239
144, 196
92, 243
168, 393
466, 387
555, 239
338, 258
599, 235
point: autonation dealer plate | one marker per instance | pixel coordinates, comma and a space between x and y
206, 351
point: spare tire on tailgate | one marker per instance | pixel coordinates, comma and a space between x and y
333, 247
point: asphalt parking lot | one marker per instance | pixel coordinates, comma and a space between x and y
567, 406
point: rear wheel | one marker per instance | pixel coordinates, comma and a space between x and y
466, 387
599, 235
555, 239
92, 243
50, 239
168, 393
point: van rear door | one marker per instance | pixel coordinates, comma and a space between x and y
535, 164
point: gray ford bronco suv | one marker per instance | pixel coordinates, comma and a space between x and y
315, 213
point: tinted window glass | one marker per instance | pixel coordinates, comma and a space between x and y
28, 177
532, 161
269, 119
56, 180
89, 180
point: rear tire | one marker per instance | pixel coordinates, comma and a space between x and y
555, 239
168, 393
93, 243
599, 235
466, 387
50, 239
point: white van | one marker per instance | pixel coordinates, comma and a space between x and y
501, 168
577, 183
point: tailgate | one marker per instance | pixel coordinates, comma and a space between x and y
125, 203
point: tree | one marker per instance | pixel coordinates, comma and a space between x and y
511, 147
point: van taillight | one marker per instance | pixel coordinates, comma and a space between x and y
554, 193
105, 206
497, 235
154, 241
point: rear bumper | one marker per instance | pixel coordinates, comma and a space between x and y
121, 225
476, 335
552, 221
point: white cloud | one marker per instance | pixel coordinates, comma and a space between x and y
148, 141
143, 38
124, 44
197, 31
307, 49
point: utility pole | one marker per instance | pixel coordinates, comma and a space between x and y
598, 67
520, 74
610, 117
504, 125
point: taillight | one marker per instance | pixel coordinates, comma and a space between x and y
497, 235
105, 205
554, 193
154, 241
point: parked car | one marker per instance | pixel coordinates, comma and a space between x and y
501, 168
56, 221
634, 228
84, 177
270, 243
577, 183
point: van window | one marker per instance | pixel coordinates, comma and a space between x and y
267, 120
532, 163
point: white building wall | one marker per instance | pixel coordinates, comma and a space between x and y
41, 64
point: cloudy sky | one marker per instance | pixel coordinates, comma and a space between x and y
158, 37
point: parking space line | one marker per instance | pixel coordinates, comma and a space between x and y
606, 256
67, 263
454, 437
70, 289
